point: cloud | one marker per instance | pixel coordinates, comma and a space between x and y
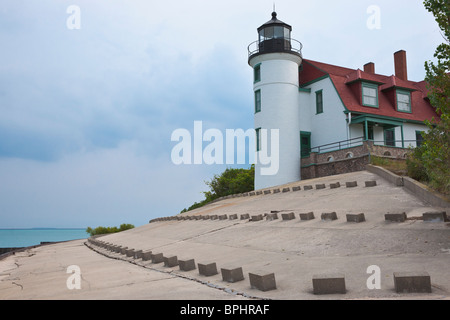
105, 187
87, 115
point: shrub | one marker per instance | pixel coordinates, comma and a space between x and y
415, 166
107, 230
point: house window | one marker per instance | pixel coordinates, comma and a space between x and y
258, 139
370, 95
257, 73
403, 101
257, 101
319, 102
389, 137
419, 138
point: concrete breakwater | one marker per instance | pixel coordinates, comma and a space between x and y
6, 250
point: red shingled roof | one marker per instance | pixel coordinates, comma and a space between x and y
348, 85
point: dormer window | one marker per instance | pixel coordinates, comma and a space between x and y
403, 101
369, 95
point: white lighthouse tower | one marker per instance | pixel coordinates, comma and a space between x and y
275, 58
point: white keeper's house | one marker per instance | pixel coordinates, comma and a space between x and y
331, 119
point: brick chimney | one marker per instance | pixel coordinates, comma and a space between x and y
401, 69
369, 67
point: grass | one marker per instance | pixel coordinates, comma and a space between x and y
397, 166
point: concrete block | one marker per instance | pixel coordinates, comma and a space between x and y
276, 190
296, 188
267, 191
307, 216
123, 250
157, 257
207, 269
320, 186
329, 216
288, 216
286, 190
245, 194
329, 284
170, 261
206, 217
335, 185
257, 217
186, 265
259, 192
351, 184
232, 216
410, 282
263, 282
371, 183
395, 217
359, 217
434, 216
146, 255
213, 217
251, 194
307, 188
223, 217
271, 216
138, 254
245, 216
232, 275
129, 252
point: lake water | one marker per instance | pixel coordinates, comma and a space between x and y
13, 238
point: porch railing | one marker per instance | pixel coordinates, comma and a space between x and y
338, 145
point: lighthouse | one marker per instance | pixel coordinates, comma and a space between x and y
275, 58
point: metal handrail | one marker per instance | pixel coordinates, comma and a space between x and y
338, 145
296, 46
383, 143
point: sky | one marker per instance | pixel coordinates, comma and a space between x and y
89, 97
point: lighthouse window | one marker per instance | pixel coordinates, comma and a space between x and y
278, 32
268, 33
287, 33
257, 101
258, 139
257, 73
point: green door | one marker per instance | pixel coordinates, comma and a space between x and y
305, 144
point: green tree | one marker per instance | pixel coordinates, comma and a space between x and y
231, 181
434, 154
106, 230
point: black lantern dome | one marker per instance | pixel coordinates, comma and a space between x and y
274, 36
